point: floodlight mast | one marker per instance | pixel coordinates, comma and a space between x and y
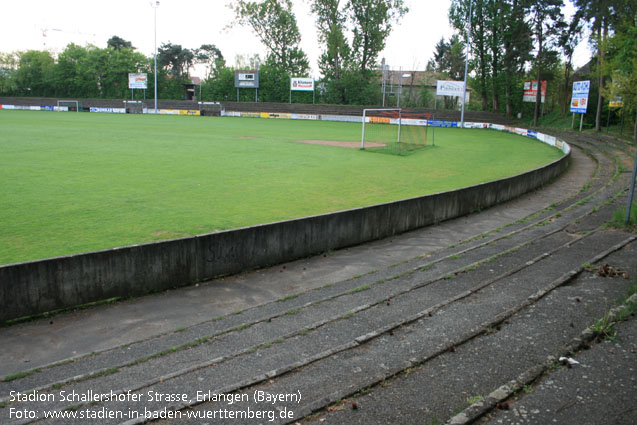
155, 5
466, 66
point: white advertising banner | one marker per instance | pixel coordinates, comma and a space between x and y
138, 81
449, 88
301, 84
579, 99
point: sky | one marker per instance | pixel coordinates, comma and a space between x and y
52, 24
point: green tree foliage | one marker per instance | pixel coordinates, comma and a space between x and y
210, 55
478, 34
275, 25
546, 22
8, 72
36, 74
449, 57
568, 41
517, 45
372, 22
330, 22
603, 16
175, 59
119, 43
622, 52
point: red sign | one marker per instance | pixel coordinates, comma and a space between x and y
530, 91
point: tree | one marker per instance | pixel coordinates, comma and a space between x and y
72, 73
517, 46
449, 57
36, 73
8, 71
330, 22
601, 15
248, 61
175, 59
118, 43
568, 41
623, 60
275, 25
211, 56
372, 22
459, 16
546, 20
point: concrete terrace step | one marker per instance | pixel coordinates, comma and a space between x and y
475, 293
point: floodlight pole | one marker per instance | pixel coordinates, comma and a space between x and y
466, 67
155, 5
632, 191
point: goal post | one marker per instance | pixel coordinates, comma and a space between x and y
134, 106
387, 130
68, 105
210, 109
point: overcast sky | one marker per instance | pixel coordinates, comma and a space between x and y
52, 24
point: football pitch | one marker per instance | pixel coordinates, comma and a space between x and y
77, 182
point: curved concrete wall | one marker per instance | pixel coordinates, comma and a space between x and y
45, 285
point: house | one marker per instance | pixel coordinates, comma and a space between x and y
413, 87
191, 88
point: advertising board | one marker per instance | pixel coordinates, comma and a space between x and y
138, 81
579, 98
301, 84
530, 91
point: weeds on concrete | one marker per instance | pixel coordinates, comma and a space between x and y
619, 217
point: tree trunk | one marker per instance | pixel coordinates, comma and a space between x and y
602, 57
566, 99
509, 107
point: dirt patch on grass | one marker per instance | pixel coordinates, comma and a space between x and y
351, 145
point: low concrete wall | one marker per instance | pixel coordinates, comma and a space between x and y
45, 285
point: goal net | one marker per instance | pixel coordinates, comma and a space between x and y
210, 109
68, 105
134, 106
388, 131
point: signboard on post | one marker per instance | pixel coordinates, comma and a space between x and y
449, 88
138, 81
530, 91
579, 98
616, 103
301, 84
246, 79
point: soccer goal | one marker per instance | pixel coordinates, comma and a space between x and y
68, 105
134, 106
387, 131
210, 109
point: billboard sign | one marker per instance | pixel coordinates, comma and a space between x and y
301, 84
530, 91
616, 103
579, 99
246, 79
138, 81
449, 88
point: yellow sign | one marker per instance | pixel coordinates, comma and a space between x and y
616, 103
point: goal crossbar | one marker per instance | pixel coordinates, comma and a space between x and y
392, 131
384, 119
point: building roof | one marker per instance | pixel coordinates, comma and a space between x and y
413, 78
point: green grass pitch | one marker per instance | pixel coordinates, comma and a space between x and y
76, 182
